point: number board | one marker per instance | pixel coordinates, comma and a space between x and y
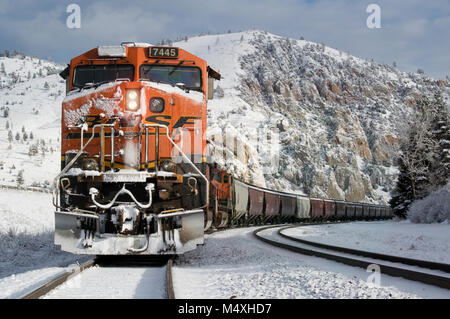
163, 52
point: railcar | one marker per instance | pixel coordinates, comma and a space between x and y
133, 160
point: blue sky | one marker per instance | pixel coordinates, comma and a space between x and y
414, 34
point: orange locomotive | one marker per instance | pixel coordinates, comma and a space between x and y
133, 151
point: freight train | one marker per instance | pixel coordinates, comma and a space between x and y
134, 173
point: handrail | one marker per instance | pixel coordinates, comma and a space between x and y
185, 157
68, 166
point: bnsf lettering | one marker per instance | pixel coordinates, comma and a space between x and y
156, 119
90, 120
183, 120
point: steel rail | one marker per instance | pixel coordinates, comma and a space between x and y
106, 261
426, 278
395, 259
55, 282
169, 281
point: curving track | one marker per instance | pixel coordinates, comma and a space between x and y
417, 270
121, 277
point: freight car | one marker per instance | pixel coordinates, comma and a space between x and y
242, 204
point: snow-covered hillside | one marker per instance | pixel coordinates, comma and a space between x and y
31, 92
336, 115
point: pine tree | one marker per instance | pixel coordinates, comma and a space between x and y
20, 179
17, 136
440, 167
10, 136
7, 125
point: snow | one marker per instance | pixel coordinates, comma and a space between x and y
435, 208
27, 253
114, 283
234, 264
398, 238
195, 95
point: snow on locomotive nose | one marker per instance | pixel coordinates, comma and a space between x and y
133, 151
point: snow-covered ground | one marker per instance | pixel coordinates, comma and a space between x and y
234, 264
27, 254
429, 242
114, 283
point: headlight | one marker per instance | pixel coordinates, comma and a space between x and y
90, 164
156, 104
132, 100
168, 166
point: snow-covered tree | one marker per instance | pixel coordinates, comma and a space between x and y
417, 151
33, 150
10, 136
440, 167
17, 136
20, 180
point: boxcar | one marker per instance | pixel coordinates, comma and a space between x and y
330, 208
288, 206
366, 211
350, 213
317, 208
372, 211
358, 211
240, 199
272, 206
340, 209
303, 208
256, 209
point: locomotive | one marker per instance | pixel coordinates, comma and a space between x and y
134, 173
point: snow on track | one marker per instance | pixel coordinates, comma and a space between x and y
418, 241
234, 263
114, 283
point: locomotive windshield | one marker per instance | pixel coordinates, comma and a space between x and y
102, 73
172, 74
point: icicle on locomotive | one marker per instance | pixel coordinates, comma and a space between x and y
133, 151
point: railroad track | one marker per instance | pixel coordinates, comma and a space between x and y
120, 276
431, 273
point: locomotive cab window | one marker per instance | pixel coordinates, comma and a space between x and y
191, 77
95, 74
225, 179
